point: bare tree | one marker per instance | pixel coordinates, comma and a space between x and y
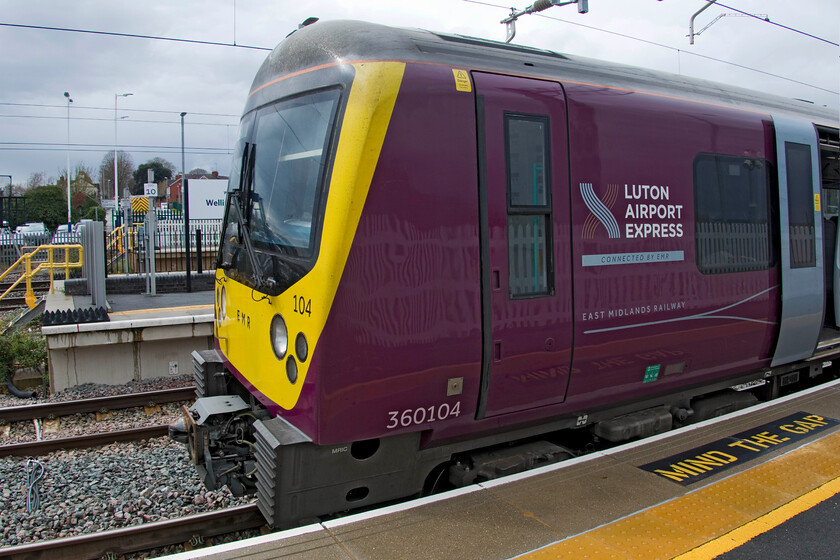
125, 171
35, 180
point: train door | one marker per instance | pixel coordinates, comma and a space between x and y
526, 250
803, 294
829, 141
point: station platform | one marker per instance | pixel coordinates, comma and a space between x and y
146, 336
719, 488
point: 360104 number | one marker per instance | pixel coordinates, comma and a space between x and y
422, 415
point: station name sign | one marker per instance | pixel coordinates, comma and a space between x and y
698, 463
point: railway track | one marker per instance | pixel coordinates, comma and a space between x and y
45, 446
15, 299
100, 404
45, 410
111, 544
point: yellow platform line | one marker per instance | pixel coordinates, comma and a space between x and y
159, 309
717, 518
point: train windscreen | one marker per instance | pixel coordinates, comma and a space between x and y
289, 157
275, 191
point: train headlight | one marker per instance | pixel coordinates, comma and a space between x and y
301, 347
279, 337
291, 369
222, 304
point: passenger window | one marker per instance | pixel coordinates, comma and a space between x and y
800, 186
732, 214
529, 205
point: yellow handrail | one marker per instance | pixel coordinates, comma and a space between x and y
50, 264
115, 238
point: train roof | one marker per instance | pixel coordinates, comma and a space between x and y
328, 42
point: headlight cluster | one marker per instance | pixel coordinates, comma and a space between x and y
280, 344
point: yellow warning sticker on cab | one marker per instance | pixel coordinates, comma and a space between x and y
698, 463
462, 80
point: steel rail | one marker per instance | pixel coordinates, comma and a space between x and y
140, 537
45, 446
67, 408
36, 285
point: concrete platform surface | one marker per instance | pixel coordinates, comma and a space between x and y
720, 483
158, 303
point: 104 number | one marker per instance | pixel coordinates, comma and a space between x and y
303, 305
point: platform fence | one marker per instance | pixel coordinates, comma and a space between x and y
127, 246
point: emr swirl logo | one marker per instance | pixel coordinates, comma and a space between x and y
601, 211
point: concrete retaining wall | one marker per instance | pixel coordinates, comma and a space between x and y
117, 352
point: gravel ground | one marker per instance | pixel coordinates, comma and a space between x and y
110, 487
90, 390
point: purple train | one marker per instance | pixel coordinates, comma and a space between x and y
445, 259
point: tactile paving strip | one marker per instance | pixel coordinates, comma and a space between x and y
759, 498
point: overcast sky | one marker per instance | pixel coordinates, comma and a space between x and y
211, 82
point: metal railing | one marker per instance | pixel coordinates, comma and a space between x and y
127, 249
45, 258
13, 245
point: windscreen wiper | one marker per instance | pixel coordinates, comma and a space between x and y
259, 281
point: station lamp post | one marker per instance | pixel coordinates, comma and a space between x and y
69, 101
185, 200
8, 214
116, 173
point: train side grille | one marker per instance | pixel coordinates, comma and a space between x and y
209, 374
266, 476
284, 495
199, 376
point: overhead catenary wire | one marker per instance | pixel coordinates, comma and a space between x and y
111, 109
111, 120
132, 36
777, 24
661, 45
100, 147
190, 151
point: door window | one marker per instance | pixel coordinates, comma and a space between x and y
529, 205
800, 205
